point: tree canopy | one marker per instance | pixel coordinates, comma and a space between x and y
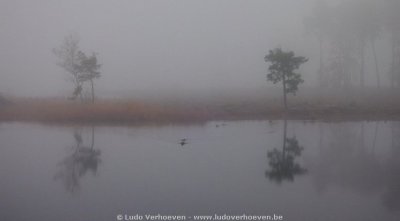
82, 68
281, 69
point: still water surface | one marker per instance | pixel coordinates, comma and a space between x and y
300, 170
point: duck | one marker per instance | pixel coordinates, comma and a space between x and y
183, 141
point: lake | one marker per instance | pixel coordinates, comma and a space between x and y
300, 170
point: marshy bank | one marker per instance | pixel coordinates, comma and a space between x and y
382, 105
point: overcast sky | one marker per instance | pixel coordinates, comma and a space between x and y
148, 45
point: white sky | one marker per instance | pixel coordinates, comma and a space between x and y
149, 45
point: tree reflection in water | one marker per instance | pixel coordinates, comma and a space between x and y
354, 159
282, 162
76, 165
391, 197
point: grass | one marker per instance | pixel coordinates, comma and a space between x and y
369, 106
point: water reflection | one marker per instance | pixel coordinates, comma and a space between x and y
348, 162
351, 160
76, 165
282, 162
391, 197
352, 171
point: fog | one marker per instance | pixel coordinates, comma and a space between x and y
268, 108
158, 46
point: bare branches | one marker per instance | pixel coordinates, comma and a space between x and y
82, 68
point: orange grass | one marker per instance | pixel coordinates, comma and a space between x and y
369, 107
49, 110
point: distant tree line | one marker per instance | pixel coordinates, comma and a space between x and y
345, 32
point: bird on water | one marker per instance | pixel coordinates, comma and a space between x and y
183, 142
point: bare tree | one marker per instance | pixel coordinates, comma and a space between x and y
68, 57
392, 25
367, 28
319, 24
81, 67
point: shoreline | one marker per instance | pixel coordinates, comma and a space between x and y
136, 113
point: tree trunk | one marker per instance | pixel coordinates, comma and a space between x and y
392, 133
80, 93
92, 144
78, 87
375, 136
321, 135
321, 64
393, 60
378, 81
343, 76
362, 80
361, 141
284, 139
91, 82
284, 92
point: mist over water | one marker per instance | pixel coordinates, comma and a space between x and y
200, 107
349, 170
